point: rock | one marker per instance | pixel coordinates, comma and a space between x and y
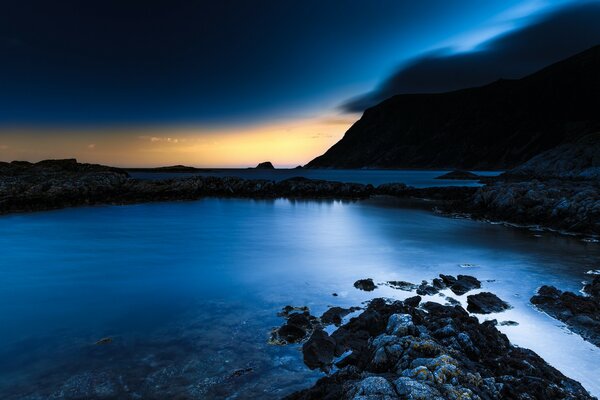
319, 350
335, 314
485, 303
580, 313
298, 327
265, 165
365, 284
464, 284
397, 351
105, 340
413, 301
461, 175
593, 288
400, 325
374, 388
402, 285
426, 289
509, 323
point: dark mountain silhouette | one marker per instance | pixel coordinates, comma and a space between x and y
497, 126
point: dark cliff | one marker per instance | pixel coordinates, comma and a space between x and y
497, 126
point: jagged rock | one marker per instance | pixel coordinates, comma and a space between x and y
485, 303
398, 351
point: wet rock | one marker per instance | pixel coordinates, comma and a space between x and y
509, 323
319, 350
440, 352
485, 303
452, 301
580, 313
365, 284
425, 289
335, 315
402, 285
464, 284
413, 301
299, 326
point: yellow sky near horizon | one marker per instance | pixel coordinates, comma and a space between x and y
284, 143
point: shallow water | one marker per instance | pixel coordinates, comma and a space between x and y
413, 178
190, 290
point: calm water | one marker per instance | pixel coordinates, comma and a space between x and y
364, 176
190, 290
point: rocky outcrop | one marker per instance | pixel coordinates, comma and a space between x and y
486, 303
577, 160
497, 126
265, 165
400, 351
365, 284
567, 205
580, 313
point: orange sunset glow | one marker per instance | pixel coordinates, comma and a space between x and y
285, 143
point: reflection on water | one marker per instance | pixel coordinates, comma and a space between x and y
189, 290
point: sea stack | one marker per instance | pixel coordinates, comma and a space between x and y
265, 165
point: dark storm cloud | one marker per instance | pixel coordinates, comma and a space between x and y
548, 39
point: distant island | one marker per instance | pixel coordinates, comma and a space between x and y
265, 165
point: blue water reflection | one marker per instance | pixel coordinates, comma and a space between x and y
190, 290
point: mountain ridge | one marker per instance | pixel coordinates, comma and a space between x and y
496, 126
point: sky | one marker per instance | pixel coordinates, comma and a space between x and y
234, 83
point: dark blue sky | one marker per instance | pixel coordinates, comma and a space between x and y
98, 62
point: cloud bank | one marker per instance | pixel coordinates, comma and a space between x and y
549, 38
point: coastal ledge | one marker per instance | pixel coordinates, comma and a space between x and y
53, 184
560, 204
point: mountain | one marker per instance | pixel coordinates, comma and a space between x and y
497, 126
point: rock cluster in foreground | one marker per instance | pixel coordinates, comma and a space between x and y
580, 313
401, 351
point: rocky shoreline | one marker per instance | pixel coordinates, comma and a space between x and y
580, 313
564, 205
420, 351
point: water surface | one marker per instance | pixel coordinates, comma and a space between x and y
423, 178
190, 290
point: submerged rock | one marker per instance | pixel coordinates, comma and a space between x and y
485, 303
297, 328
365, 284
